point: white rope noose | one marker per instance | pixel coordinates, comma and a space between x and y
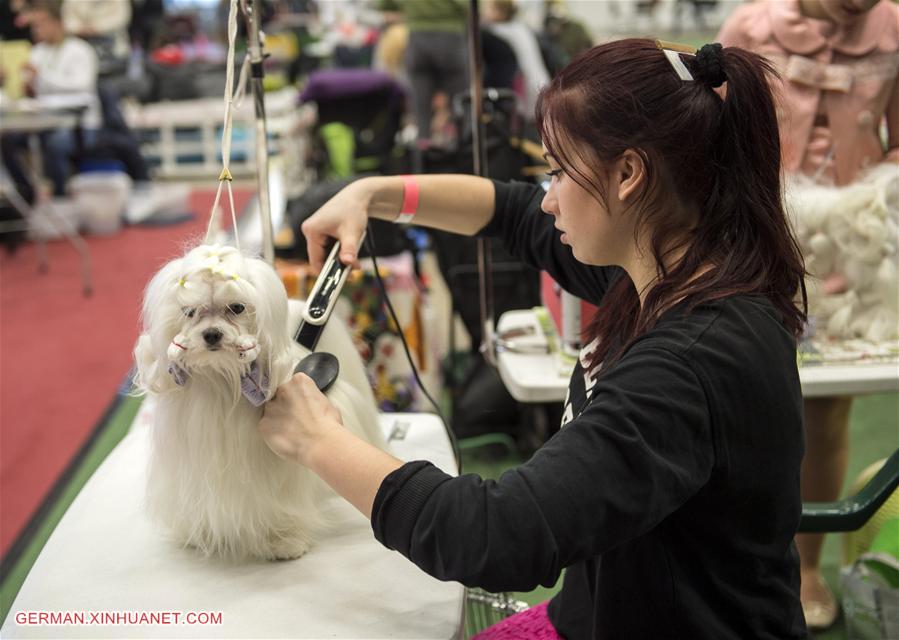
231, 97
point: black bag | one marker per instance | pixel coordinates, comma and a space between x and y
481, 405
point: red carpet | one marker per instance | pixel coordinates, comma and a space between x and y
63, 356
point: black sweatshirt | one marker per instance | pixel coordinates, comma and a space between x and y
671, 495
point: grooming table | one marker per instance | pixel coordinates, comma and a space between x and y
543, 377
106, 557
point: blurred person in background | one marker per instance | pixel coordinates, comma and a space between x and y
563, 37
61, 69
104, 25
500, 71
436, 57
147, 18
390, 52
500, 18
12, 27
838, 62
15, 45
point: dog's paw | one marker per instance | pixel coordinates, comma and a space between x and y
287, 549
280, 548
247, 348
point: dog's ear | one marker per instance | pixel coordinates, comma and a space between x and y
159, 315
159, 296
151, 369
271, 315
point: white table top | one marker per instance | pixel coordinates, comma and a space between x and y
106, 557
34, 117
849, 379
542, 377
531, 377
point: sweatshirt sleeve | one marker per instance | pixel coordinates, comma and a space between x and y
635, 455
528, 234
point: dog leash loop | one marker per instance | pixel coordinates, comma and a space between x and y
231, 96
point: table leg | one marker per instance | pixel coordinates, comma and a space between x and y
59, 224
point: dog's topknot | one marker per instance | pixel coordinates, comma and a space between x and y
211, 261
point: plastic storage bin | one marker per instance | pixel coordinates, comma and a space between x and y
102, 198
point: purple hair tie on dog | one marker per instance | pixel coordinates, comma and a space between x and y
254, 385
178, 374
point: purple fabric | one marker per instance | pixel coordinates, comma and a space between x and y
532, 624
254, 385
178, 374
331, 84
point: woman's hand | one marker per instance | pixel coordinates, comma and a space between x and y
297, 419
301, 425
343, 217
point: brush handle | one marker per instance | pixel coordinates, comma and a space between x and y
323, 297
327, 287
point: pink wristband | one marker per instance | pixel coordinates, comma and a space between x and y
410, 200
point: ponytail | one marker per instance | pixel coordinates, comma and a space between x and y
744, 208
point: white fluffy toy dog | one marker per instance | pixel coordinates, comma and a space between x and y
216, 345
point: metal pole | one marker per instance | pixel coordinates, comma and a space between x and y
485, 269
252, 11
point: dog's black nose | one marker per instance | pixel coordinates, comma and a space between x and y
212, 336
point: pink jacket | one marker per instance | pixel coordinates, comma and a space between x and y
847, 72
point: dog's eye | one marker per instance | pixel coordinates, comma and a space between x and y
236, 309
189, 312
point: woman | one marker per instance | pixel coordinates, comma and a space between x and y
839, 61
671, 495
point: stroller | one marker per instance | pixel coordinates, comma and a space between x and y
359, 117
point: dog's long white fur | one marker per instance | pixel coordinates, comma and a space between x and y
851, 230
212, 479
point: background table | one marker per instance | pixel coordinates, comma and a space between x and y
106, 556
32, 118
543, 377
37, 121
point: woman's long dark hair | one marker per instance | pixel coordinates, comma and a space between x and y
718, 156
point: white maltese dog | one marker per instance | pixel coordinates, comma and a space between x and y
216, 345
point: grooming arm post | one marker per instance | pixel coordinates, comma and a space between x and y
485, 281
252, 11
